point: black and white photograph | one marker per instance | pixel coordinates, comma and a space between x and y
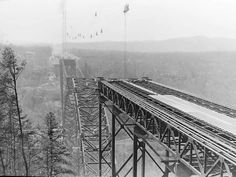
118, 88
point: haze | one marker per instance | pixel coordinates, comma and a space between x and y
40, 21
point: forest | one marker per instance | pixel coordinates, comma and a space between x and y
199, 73
27, 149
30, 103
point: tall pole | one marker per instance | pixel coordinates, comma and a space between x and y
125, 47
126, 9
64, 37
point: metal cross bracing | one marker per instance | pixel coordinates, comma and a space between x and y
69, 118
119, 123
188, 142
80, 120
89, 112
69, 123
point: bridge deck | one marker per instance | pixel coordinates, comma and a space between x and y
145, 88
217, 137
166, 90
204, 148
212, 117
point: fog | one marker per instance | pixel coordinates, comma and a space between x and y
34, 21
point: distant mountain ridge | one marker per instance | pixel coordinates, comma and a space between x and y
185, 44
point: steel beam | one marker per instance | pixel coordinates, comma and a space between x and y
69, 116
94, 128
84, 122
113, 146
128, 128
142, 144
183, 142
135, 156
100, 138
167, 171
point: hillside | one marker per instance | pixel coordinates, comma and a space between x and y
38, 93
184, 44
210, 75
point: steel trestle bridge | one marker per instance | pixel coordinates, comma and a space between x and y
95, 111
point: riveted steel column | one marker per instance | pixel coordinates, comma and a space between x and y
100, 137
113, 145
135, 156
143, 159
167, 171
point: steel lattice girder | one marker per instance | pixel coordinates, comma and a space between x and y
139, 150
69, 121
69, 118
70, 124
183, 147
87, 100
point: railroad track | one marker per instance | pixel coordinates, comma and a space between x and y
221, 142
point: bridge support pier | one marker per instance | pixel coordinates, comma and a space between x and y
167, 171
100, 138
135, 155
183, 171
142, 145
113, 145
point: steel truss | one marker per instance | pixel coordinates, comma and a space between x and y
69, 123
184, 144
69, 118
91, 116
118, 123
81, 113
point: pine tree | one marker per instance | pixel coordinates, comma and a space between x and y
31, 142
2, 141
54, 159
11, 115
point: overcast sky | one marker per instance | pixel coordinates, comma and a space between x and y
41, 20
